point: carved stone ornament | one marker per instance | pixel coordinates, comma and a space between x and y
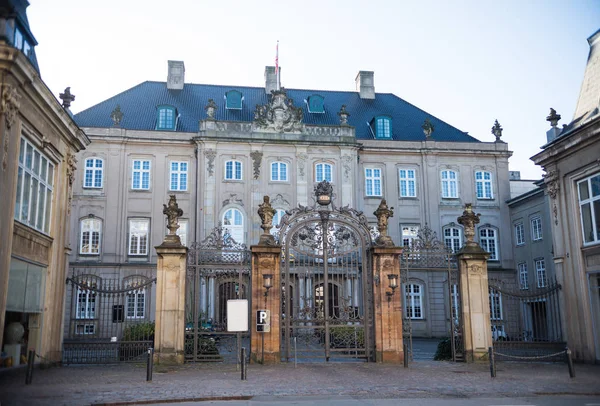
5, 148
280, 201
468, 220
210, 155
116, 116
553, 118
428, 128
302, 158
10, 104
173, 212
476, 270
343, 115
551, 181
256, 161
347, 165
71, 162
323, 192
233, 199
67, 98
497, 130
280, 115
383, 213
266, 213
210, 108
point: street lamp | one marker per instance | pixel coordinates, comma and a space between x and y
267, 283
393, 280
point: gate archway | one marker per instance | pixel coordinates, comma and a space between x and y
326, 283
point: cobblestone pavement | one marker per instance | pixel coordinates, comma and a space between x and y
111, 384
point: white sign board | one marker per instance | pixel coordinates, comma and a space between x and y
237, 315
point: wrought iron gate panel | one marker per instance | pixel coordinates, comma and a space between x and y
326, 285
218, 269
427, 253
111, 319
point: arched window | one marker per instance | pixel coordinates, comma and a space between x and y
483, 185
279, 171
233, 100
323, 172
488, 239
166, 118
233, 222
279, 213
315, 104
90, 236
382, 127
449, 184
233, 170
94, 169
453, 238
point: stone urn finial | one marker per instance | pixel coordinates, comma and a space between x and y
173, 212
266, 213
67, 98
553, 118
210, 108
343, 115
383, 213
468, 220
428, 128
497, 131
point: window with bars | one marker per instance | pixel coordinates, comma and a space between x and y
233, 170
86, 304
372, 181
35, 181
483, 185
279, 213
540, 271
139, 230
136, 304
523, 276
178, 175
488, 239
414, 301
408, 182
182, 231
449, 184
140, 177
409, 235
495, 304
589, 208
91, 231
453, 238
519, 234
536, 228
233, 223
94, 171
279, 171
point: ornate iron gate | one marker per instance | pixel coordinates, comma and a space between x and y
218, 269
327, 302
109, 319
427, 254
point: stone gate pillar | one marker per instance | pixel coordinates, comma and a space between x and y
266, 260
387, 294
474, 294
169, 336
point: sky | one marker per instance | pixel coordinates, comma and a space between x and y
465, 62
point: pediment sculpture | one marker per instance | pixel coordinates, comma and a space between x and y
280, 115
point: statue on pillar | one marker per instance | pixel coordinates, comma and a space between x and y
468, 220
266, 213
173, 212
383, 213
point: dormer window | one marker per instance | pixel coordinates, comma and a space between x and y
233, 100
167, 118
382, 127
315, 104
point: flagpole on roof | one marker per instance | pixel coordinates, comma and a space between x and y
277, 64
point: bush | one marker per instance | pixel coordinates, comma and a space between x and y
139, 332
347, 337
444, 350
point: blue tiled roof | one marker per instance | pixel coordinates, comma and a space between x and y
139, 104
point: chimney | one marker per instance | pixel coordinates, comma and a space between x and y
365, 85
176, 75
271, 79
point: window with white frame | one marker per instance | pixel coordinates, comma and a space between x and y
279, 213
140, 177
536, 228
233, 222
409, 235
182, 231
414, 300
323, 172
449, 184
279, 171
523, 276
35, 179
86, 304
408, 182
495, 304
453, 238
589, 208
136, 304
85, 328
540, 271
519, 234
91, 231
483, 185
488, 239
233, 170
94, 171
139, 231
372, 181
178, 175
